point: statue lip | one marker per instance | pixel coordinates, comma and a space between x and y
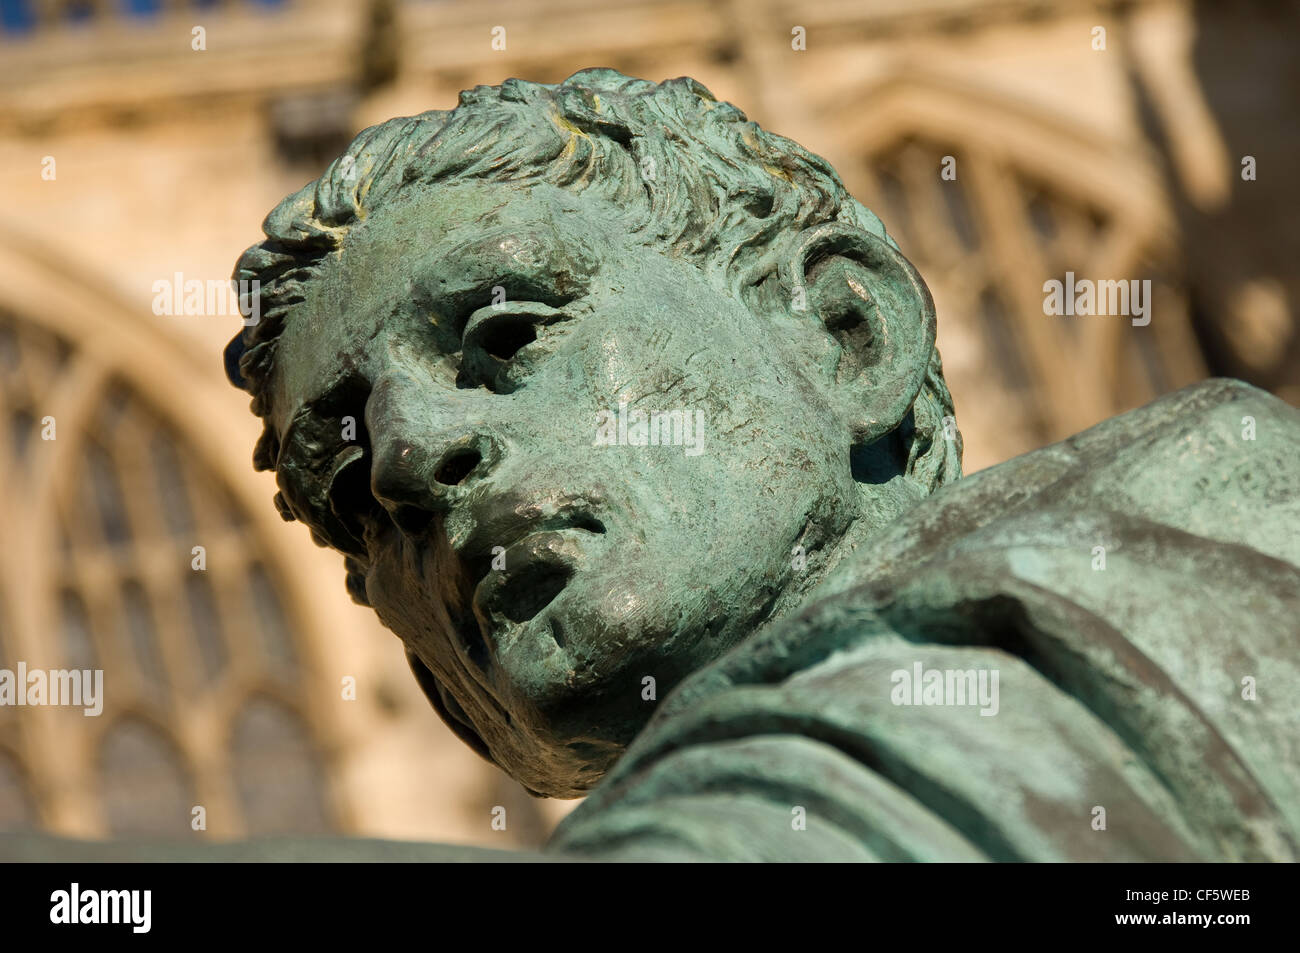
537, 568
517, 560
505, 526
501, 602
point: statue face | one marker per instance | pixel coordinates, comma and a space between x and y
541, 563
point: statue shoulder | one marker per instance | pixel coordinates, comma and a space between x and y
1217, 460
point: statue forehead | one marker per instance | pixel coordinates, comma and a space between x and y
429, 254
458, 239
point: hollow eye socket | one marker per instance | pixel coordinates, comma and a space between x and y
496, 335
503, 338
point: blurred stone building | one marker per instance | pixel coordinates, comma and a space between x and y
1003, 142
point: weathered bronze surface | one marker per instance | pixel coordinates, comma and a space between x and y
492, 294
729, 635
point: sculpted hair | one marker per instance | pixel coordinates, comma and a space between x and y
691, 172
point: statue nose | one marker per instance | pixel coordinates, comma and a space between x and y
423, 458
456, 466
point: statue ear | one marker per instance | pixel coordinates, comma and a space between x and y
874, 304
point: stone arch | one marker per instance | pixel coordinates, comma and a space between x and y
277, 775
102, 521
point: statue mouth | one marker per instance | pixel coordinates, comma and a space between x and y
536, 570
513, 577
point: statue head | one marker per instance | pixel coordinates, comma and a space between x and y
587, 382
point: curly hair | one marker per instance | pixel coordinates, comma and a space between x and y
692, 172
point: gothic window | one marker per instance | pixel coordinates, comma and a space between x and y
279, 781
142, 565
988, 234
146, 789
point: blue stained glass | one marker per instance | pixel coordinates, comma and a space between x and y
16, 16
142, 8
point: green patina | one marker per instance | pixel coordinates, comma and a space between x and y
478, 292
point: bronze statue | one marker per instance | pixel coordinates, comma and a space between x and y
629, 422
